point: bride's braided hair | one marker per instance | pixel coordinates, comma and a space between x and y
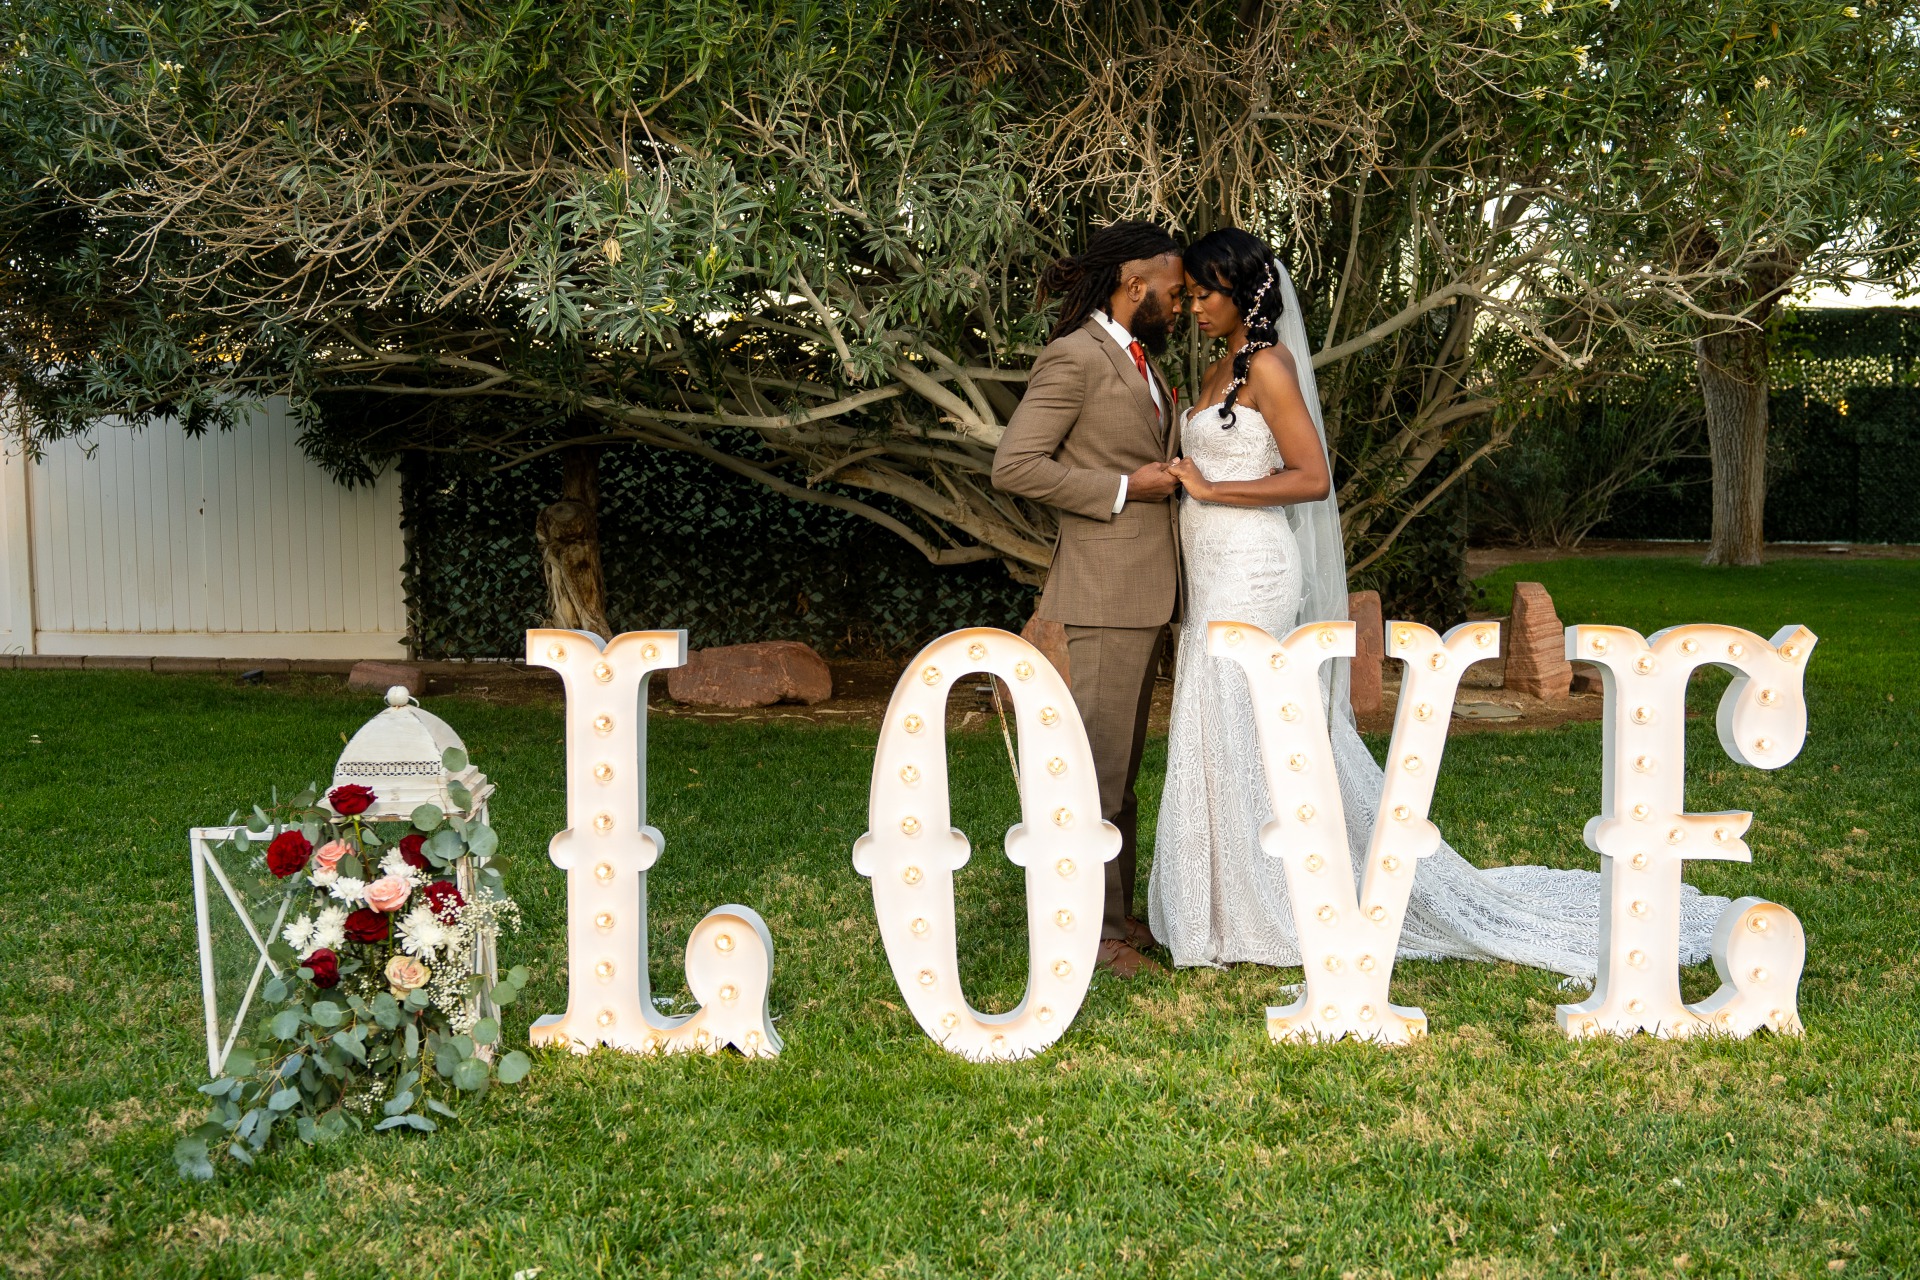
1086, 281
1240, 265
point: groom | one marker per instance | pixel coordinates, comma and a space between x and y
1092, 438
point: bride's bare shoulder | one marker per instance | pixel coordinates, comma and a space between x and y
1276, 359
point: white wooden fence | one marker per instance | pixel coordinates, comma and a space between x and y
233, 544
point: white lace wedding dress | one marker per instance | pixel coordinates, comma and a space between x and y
1214, 898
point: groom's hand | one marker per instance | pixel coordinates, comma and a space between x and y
1151, 483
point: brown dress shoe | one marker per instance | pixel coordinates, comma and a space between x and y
1118, 956
1139, 935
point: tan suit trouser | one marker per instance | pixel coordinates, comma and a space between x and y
1112, 674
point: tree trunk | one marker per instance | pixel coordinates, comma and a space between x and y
569, 536
1733, 384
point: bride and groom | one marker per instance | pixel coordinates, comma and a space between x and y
1224, 512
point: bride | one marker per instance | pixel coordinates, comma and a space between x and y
1260, 540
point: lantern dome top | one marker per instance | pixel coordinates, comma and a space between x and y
401, 755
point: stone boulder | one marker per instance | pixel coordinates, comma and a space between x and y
752, 675
378, 677
1369, 650
1536, 645
1049, 638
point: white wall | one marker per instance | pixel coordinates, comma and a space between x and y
230, 545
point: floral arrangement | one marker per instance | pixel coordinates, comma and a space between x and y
381, 1012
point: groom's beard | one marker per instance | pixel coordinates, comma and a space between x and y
1152, 324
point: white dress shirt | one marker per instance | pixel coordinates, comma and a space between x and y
1125, 339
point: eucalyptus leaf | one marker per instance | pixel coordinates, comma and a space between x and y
454, 758
286, 1024
328, 1014
427, 817
471, 1074
519, 975
417, 999
308, 1130
486, 1031
440, 1108
461, 797
514, 1067
394, 1106
285, 1099
482, 841
368, 836
444, 846
240, 1153
504, 994
241, 1061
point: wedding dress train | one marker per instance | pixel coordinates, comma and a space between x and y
1213, 897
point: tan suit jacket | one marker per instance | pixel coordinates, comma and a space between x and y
1086, 420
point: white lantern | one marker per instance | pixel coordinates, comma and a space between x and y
401, 754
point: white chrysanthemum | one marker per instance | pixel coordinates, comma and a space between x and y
324, 876
298, 933
423, 935
350, 891
396, 864
330, 930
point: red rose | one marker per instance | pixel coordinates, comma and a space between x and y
367, 926
288, 853
410, 850
326, 967
445, 900
347, 801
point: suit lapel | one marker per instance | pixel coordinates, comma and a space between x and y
1129, 375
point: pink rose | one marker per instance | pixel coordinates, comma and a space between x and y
389, 893
327, 856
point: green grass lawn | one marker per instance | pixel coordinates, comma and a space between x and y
1164, 1135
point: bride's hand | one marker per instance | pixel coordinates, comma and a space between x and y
1190, 479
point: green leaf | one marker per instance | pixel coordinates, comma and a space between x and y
462, 1045
328, 1014
190, 1158
413, 1040
519, 975
417, 999
276, 989
444, 846
240, 1153
427, 817
369, 837
454, 758
514, 1067
440, 1108
241, 1062
471, 1074
386, 1012
461, 797
308, 1130
394, 1106
482, 841
285, 1024
486, 1031
504, 995
352, 867
421, 1123
285, 1099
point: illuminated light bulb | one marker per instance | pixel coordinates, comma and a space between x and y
1062, 816
563, 1040
949, 1020
1277, 660
1758, 924
1389, 864
1640, 813
653, 1044
1023, 670
1063, 918
927, 977
1643, 764
1759, 975
977, 651
1049, 717
910, 825
729, 993
603, 772
1639, 907
1763, 744
604, 872
1315, 862
911, 875
602, 672
1366, 1013
1598, 644
1289, 712
913, 724
931, 675
1326, 637
606, 1018
649, 651
1588, 1024
1483, 638
1676, 835
1064, 866
603, 823
557, 652
1333, 964
1330, 1013
1689, 646
1376, 913
753, 1039
1776, 1015
1636, 1005
1401, 813
1638, 861
1735, 649
1721, 835
1423, 712
1411, 764
1233, 635
909, 775
603, 921
1364, 964
1402, 637
920, 925
1768, 697
603, 970
1326, 914
702, 1038
1056, 766
1642, 714
1725, 1015
1438, 661
1043, 1014
1296, 762
723, 943
1644, 664
1791, 651
1305, 813
603, 725
1062, 969
999, 1044
1636, 958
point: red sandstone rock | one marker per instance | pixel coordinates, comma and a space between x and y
1536, 645
1049, 638
1369, 650
378, 677
752, 675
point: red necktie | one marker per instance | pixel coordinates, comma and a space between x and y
1139, 354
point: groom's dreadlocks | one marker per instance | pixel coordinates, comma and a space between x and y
1086, 281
